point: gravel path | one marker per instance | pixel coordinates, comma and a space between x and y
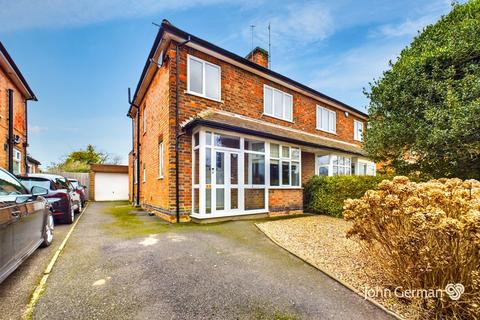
320, 240
221, 271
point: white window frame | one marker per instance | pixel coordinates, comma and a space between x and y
17, 158
160, 160
358, 130
203, 93
281, 159
144, 172
144, 114
343, 166
319, 120
272, 114
370, 167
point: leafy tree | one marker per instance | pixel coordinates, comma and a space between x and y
80, 161
425, 111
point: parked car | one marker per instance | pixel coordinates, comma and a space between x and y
81, 190
25, 222
63, 198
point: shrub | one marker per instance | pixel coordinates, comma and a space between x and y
325, 195
424, 236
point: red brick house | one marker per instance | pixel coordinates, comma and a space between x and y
218, 135
14, 95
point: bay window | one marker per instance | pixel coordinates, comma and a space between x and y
284, 166
203, 78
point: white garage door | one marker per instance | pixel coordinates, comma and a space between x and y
111, 186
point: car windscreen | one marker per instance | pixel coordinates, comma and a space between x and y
10, 186
74, 183
35, 182
61, 183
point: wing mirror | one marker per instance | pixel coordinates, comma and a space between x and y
38, 191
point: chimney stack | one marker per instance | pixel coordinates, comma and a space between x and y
259, 56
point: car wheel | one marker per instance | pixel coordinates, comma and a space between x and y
48, 231
80, 207
69, 215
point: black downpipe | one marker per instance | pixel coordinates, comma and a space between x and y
10, 130
133, 158
138, 158
177, 128
25, 156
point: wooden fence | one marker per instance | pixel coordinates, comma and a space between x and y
82, 177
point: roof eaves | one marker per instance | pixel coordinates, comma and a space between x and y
19, 74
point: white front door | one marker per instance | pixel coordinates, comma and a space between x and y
225, 180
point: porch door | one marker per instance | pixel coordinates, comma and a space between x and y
225, 195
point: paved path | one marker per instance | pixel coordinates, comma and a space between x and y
221, 271
16, 290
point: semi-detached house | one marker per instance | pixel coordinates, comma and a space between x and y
218, 135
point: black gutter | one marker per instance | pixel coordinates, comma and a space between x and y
223, 126
167, 26
177, 127
17, 71
10, 130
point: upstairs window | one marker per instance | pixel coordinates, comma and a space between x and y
326, 120
277, 103
203, 78
357, 130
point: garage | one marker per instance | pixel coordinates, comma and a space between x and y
108, 182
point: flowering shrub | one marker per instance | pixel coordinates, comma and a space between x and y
423, 236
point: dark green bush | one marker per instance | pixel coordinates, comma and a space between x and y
325, 195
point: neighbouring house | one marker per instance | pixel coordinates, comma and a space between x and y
247, 136
33, 165
108, 182
14, 95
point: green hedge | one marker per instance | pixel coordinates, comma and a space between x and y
325, 195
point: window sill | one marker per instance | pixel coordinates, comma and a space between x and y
335, 133
202, 96
285, 188
275, 117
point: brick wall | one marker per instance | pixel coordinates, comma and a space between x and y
308, 166
285, 201
18, 120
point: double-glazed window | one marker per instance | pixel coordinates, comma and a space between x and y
341, 165
17, 159
254, 162
144, 118
326, 120
160, 159
284, 166
277, 103
357, 130
203, 78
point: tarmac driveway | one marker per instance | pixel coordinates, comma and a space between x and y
124, 265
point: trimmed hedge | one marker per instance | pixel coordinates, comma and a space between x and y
325, 195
